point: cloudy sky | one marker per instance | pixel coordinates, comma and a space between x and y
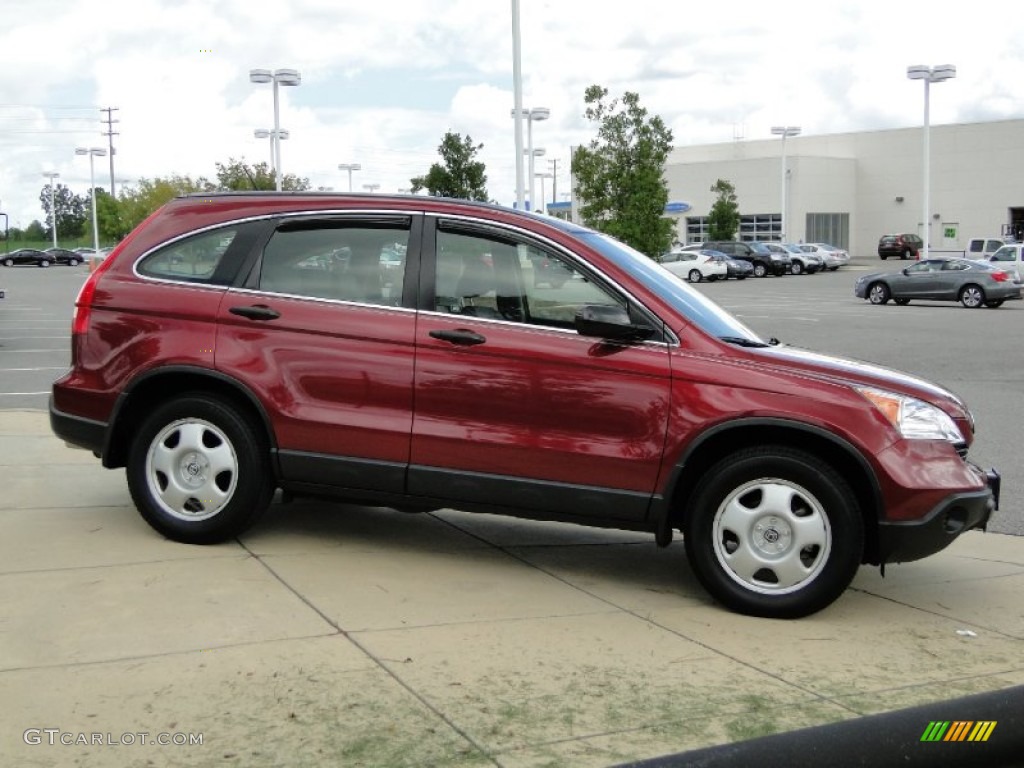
383, 81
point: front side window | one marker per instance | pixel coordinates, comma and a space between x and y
363, 263
501, 279
192, 259
1006, 253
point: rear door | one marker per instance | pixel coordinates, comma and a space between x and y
321, 334
513, 407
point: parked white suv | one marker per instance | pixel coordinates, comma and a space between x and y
984, 247
1011, 258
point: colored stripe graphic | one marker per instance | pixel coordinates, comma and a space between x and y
958, 730
982, 730
935, 731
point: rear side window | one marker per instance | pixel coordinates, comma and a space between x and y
193, 259
363, 263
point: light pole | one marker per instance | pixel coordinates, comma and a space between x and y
93, 152
277, 77
349, 167
517, 102
371, 188
532, 115
51, 175
784, 131
543, 199
263, 133
930, 75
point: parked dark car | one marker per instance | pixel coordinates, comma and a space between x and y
623, 398
735, 268
764, 261
972, 283
27, 256
64, 256
905, 246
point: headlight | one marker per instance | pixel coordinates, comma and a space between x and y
915, 419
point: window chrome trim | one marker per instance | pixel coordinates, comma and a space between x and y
673, 339
319, 299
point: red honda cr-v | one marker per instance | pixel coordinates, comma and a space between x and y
398, 351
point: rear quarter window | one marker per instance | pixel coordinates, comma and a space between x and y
193, 259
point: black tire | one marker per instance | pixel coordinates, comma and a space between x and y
760, 270
882, 257
901, 302
796, 268
972, 296
994, 303
694, 276
197, 432
8, 262
905, 255
741, 277
878, 293
44, 262
763, 492
72, 262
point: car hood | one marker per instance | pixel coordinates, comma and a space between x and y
850, 371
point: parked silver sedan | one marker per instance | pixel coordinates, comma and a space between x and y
971, 283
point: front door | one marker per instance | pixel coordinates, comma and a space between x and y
513, 407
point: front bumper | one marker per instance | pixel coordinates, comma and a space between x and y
901, 542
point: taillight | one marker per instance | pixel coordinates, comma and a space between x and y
83, 304
1000, 277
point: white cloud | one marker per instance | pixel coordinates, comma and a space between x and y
382, 82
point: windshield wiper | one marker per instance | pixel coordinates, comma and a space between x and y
742, 341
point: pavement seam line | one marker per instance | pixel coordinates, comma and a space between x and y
646, 619
372, 657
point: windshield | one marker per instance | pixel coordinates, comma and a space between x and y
695, 306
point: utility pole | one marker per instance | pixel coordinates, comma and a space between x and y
553, 162
110, 134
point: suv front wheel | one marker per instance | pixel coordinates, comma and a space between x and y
198, 471
760, 269
773, 532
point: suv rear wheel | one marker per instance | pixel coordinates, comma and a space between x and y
774, 532
198, 471
760, 270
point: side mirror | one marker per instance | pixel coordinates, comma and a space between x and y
611, 323
906, 270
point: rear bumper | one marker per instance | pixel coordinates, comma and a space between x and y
78, 432
901, 542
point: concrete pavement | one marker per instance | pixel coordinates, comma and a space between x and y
341, 635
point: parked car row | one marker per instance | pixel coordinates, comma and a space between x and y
50, 256
703, 261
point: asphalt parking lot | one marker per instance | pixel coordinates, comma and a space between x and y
343, 635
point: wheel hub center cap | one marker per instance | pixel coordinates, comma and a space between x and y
193, 469
772, 535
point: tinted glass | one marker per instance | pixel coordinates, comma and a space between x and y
192, 259
364, 264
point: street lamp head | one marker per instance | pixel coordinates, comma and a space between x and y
943, 72
537, 152
261, 133
349, 167
51, 175
540, 113
786, 130
260, 76
283, 133
288, 77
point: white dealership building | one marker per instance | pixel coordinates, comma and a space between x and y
849, 189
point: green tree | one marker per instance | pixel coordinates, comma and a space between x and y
71, 211
35, 231
620, 175
236, 175
460, 175
136, 203
109, 218
724, 218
